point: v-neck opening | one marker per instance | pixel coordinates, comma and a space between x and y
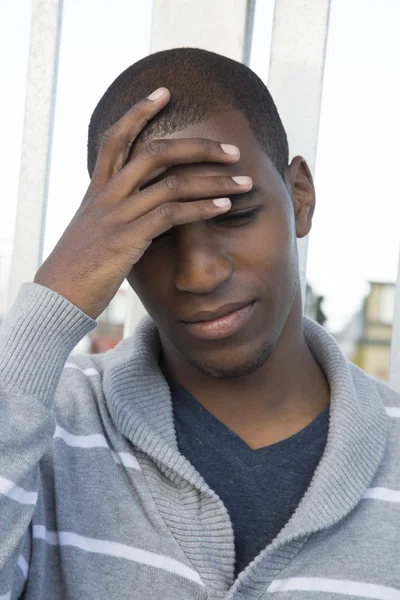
253, 456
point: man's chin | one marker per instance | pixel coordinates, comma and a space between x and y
233, 368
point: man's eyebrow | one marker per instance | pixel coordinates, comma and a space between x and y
236, 198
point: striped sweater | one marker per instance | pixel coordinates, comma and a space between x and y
96, 501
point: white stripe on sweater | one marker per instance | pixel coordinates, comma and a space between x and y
6, 596
126, 459
89, 371
12, 490
152, 559
23, 565
95, 440
381, 493
335, 586
393, 411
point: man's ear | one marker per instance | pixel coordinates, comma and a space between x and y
301, 188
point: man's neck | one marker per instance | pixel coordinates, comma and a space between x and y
279, 399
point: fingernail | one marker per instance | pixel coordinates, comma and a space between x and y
157, 94
243, 180
222, 202
231, 150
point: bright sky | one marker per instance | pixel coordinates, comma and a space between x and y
356, 230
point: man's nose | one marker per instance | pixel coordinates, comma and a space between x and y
201, 263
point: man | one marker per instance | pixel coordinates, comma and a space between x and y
226, 449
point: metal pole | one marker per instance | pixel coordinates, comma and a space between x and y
179, 23
295, 81
36, 147
394, 372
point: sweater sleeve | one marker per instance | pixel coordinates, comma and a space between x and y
36, 338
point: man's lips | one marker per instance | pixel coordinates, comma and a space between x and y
211, 315
232, 317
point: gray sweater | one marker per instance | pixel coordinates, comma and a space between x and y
96, 501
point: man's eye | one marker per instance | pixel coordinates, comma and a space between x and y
237, 218
233, 219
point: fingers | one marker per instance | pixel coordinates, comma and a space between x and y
118, 139
159, 155
170, 214
183, 188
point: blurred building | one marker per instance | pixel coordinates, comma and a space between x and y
313, 306
367, 337
110, 326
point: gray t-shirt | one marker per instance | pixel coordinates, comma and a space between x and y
260, 488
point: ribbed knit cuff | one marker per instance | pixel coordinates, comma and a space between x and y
36, 337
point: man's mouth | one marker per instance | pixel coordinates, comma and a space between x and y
220, 323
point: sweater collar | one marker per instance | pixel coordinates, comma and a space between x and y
358, 426
139, 402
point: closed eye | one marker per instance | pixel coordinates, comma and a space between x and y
236, 218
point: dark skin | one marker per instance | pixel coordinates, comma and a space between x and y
262, 382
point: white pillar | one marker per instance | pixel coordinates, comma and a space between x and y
36, 145
394, 373
224, 27
295, 80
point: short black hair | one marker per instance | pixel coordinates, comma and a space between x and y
202, 83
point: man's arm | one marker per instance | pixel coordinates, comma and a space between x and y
36, 338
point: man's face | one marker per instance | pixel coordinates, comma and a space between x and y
248, 255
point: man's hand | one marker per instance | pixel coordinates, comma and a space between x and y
117, 221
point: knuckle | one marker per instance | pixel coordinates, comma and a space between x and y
101, 198
206, 145
156, 147
168, 211
110, 135
173, 183
203, 206
91, 201
222, 181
